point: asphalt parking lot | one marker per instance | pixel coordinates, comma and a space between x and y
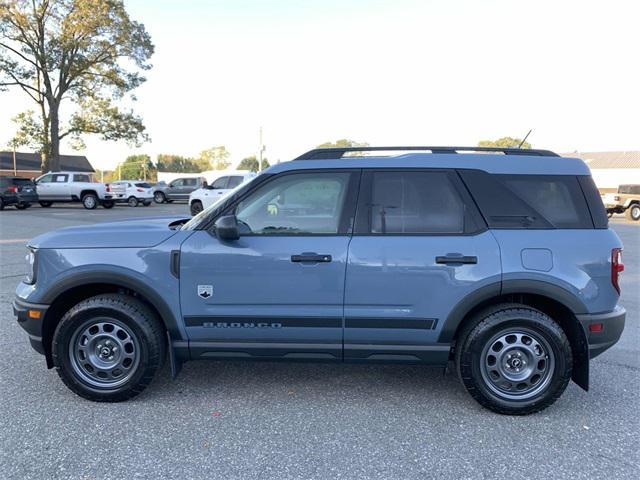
276, 420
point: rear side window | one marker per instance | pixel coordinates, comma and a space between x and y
234, 181
81, 178
629, 189
417, 202
529, 201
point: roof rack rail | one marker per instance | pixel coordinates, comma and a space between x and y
338, 152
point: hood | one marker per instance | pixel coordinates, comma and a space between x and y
134, 233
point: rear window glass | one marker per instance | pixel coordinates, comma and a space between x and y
143, 185
529, 201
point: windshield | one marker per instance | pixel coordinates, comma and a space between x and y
629, 189
204, 215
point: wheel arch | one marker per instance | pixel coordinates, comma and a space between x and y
71, 291
87, 191
556, 302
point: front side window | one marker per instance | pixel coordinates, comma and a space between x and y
414, 203
45, 179
60, 178
296, 204
177, 183
220, 183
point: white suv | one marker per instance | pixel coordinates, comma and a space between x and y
138, 192
221, 186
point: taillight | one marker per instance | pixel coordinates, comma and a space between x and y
108, 187
616, 198
139, 190
13, 189
617, 267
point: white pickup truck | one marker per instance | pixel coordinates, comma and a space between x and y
77, 187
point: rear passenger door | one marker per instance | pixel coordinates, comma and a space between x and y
419, 248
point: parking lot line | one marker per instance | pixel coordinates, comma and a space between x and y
14, 240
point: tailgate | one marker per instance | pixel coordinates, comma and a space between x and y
115, 189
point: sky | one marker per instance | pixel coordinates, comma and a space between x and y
396, 72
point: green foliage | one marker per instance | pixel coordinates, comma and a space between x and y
177, 163
344, 142
215, 158
251, 164
29, 132
504, 142
137, 167
88, 52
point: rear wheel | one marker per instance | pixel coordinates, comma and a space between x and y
89, 201
45, 204
633, 213
514, 359
196, 207
1, 204
22, 206
108, 348
132, 202
146, 203
159, 197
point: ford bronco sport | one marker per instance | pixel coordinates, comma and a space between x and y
499, 260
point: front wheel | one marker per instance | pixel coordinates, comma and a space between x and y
514, 359
108, 348
196, 207
633, 213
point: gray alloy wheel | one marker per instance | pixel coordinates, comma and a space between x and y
132, 202
89, 201
196, 207
104, 352
159, 197
517, 364
633, 212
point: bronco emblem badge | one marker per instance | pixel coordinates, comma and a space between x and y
205, 291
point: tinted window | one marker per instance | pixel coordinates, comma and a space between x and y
45, 179
301, 203
414, 202
143, 185
234, 181
177, 183
529, 201
81, 178
22, 181
220, 183
594, 201
190, 182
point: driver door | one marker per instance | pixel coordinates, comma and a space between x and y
277, 291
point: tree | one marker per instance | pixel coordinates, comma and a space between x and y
137, 166
216, 158
251, 164
28, 133
344, 142
176, 163
88, 52
504, 142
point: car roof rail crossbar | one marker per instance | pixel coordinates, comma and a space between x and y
333, 153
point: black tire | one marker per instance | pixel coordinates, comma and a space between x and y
108, 204
609, 214
89, 201
146, 203
22, 206
140, 333
633, 213
132, 202
497, 385
196, 207
44, 204
159, 197
1, 204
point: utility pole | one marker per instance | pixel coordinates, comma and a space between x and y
260, 152
15, 164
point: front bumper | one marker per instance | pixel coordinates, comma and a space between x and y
30, 317
612, 327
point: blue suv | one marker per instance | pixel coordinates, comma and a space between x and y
499, 260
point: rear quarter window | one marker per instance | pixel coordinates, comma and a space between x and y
529, 201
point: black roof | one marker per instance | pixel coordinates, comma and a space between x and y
32, 161
338, 152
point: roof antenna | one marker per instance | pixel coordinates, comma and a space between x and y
525, 138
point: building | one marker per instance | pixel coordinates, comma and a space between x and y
28, 164
611, 169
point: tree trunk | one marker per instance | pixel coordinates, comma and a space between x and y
54, 148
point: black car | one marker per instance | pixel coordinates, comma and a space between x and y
17, 191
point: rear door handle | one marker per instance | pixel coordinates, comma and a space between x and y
311, 258
460, 259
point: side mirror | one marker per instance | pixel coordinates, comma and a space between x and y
227, 228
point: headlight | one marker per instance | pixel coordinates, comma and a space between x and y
30, 257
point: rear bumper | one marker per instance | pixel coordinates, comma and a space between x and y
33, 326
612, 327
27, 198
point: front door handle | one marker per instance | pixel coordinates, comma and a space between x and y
311, 258
456, 258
